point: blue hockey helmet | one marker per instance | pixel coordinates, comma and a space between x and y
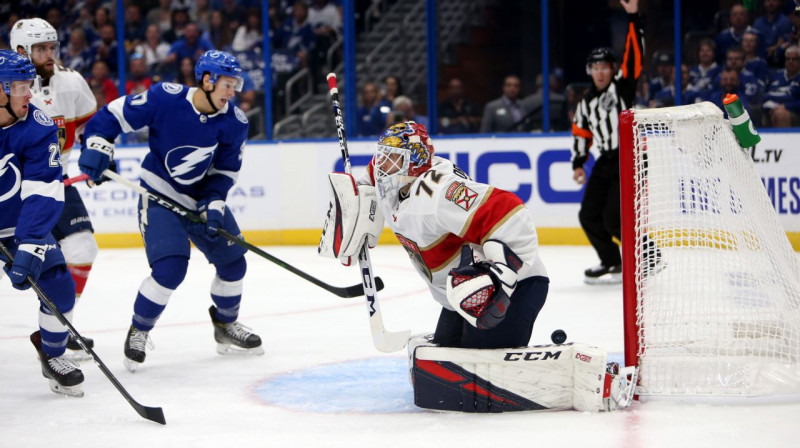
15, 67
219, 63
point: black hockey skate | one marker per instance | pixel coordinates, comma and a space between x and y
603, 275
234, 338
74, 350
64, 375
135, 344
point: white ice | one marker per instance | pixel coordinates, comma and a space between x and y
321, 383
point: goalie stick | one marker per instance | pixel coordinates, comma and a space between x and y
385, 341
345, 292
152, 414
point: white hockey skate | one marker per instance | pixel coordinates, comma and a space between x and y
622, 388
234, 338
64, 375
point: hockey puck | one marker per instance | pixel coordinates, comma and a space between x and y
558, 337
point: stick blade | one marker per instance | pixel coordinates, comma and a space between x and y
390, 342
152, 414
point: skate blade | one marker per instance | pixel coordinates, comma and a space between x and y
229, 349
607, 279
131, 365
78, 355
69, 391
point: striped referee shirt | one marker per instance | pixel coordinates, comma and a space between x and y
596, 119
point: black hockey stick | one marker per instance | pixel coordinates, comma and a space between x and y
346, 292
152, 414
383, 340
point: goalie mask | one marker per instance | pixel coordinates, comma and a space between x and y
404, 152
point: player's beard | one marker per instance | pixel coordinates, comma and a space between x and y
44, 71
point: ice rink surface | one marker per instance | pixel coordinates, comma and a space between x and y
321, 383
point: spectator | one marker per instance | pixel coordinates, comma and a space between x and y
752, 61
5, 29
106, 47
186, 73
782, 101
200, 13
218, 32
505, 113
751, 86
665, 71
403, 110
233, 13
772, 27
372, 115
666, 96
558, 105
135, 26
458, 115
137, 81
733, 35
154, 50
85, 21
324, 17
55, 20
78, 55
702, 75
729, 84
161, 16
296, 34
100, 80
392, 88
249, 34
190, 45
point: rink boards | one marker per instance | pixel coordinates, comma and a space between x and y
281, 196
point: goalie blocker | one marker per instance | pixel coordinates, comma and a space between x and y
545, 377
353, 216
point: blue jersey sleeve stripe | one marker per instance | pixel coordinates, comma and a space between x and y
116, 108
232, 174
53, 189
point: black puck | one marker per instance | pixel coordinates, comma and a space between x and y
558, 337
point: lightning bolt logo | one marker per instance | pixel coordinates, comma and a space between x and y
4, 166
189, 159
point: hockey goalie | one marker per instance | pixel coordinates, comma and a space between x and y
476, 248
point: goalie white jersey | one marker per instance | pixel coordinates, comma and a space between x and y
445, 210
68, 100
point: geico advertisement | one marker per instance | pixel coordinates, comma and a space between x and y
284, 185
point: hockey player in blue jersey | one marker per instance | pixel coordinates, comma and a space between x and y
31, 200
196, 143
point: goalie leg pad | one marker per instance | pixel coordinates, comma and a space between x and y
547, 377
353, 217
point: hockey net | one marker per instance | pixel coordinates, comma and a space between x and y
711, 282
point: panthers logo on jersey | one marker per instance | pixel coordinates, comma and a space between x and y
188, 164
62, 131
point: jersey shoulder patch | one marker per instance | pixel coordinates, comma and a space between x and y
42, 118
461, 195
171, 88
240, 115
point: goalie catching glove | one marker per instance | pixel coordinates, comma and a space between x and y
481, 291
353, 217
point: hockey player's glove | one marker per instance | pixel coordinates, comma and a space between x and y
481, 292
27, 261
112, 165
213, 211
96, 157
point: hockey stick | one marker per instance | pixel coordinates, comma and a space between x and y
152, 414
385, 341
346, 292
76, 179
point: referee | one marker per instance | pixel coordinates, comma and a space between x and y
596, 123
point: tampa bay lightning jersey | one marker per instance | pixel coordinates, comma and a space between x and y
192, 155
31, 189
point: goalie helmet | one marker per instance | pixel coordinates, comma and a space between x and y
15, 67
404, 152
28, 32
219, 63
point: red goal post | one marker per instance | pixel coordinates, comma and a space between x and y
716, 313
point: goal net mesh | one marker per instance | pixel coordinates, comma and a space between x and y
716, 281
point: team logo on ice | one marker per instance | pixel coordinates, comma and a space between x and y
171, 87
15, 182
240, 115
188, 164
42, 118
461, 195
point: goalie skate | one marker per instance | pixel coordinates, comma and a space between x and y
135, 345
64, 375
234, 338
620, 386
74, 350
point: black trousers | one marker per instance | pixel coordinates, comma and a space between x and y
599, 214
514, 331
